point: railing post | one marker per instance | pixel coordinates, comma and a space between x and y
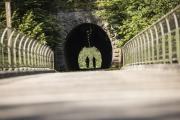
25, 52
9, 48
3, 48
124, 56
35, 55
139, 50
142, 51
32, 53
127, 54
128, 49
169, 41
15, 49
135, 51
130, 53
29, 53
163, 43
157, 43
45, 59
40, 54
20, 51
144, 48
177, 37
49, 58
43, 56
148, 47
152, 45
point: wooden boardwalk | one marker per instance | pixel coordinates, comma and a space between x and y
93, 95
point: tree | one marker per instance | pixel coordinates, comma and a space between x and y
36, 18
125, 17
131, 16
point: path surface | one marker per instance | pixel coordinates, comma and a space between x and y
98, 95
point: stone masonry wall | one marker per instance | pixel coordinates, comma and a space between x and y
70, 20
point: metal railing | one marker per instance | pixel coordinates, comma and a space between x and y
19, 52
158, 44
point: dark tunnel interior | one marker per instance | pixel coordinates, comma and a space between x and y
87, 35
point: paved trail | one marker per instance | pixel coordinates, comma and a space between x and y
96, 95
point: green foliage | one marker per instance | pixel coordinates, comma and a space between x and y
127, 18
2, 15
89, 52
37, 18
2, 20
31, 27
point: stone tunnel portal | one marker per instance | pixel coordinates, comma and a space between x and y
87, 35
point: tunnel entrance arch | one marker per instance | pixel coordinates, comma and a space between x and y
87, 35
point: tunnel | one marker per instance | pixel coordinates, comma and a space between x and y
87, 35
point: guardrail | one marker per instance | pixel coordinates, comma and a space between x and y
158, 44
19, 52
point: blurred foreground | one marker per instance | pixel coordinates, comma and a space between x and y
96, 95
